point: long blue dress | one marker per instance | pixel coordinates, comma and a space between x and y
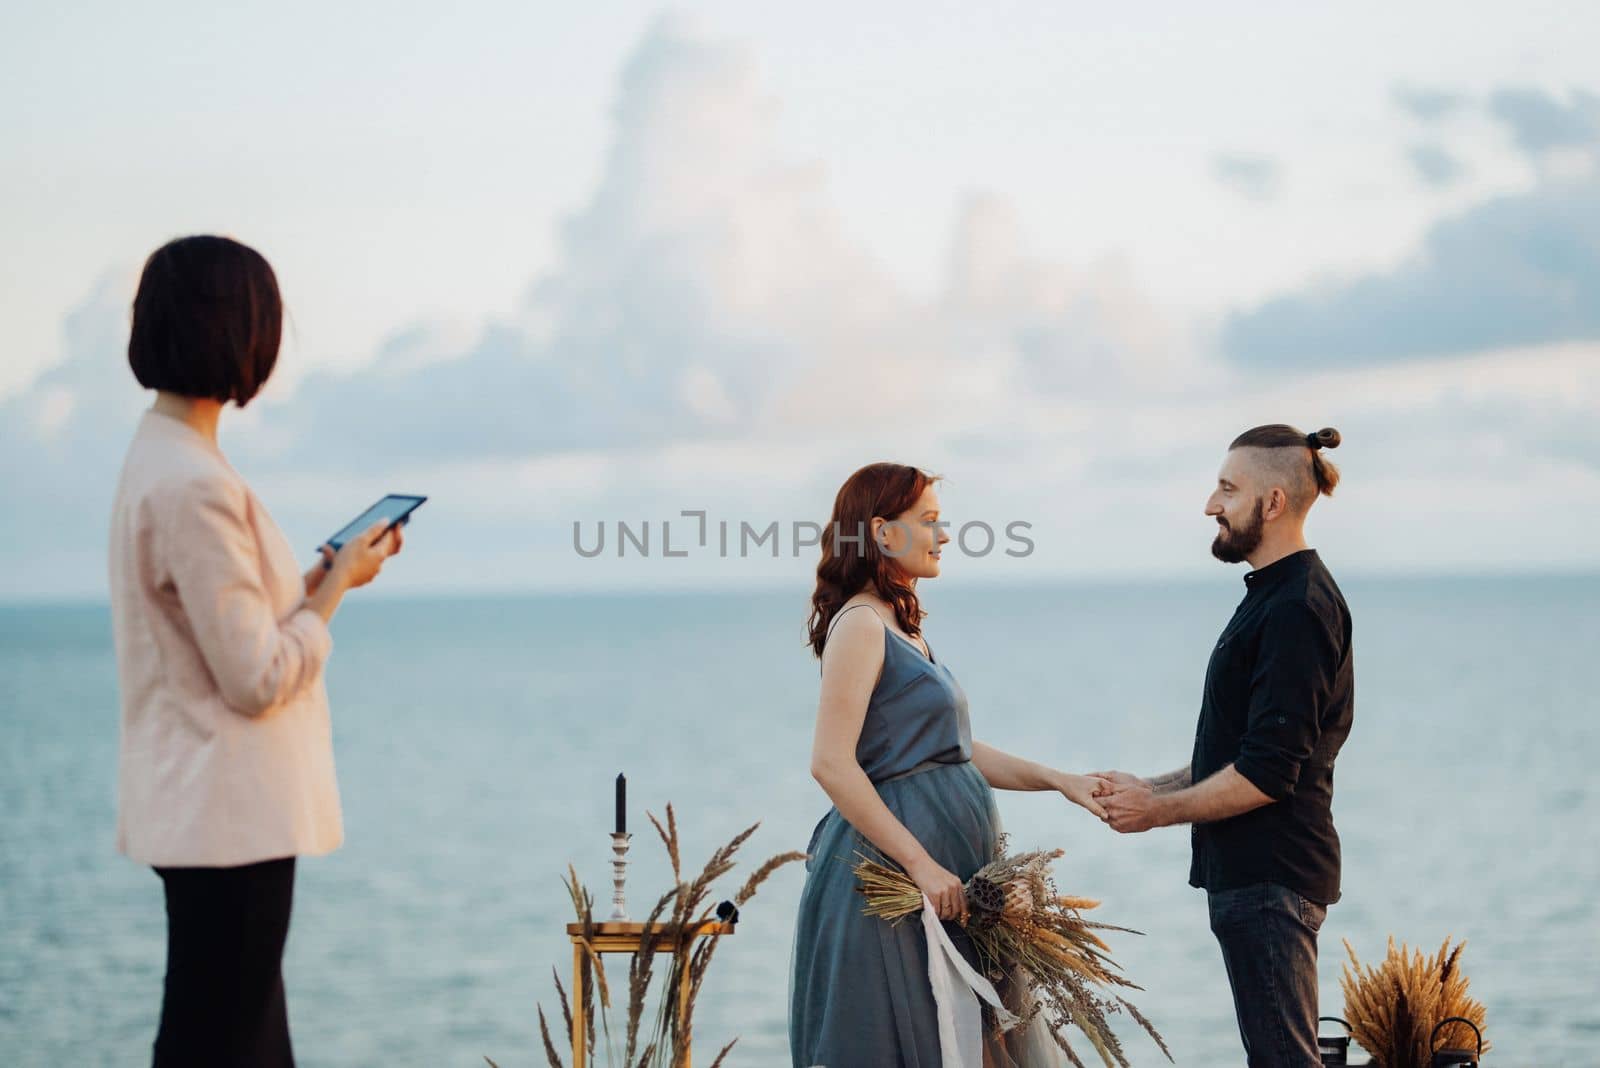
859, 992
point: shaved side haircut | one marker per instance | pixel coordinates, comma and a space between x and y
1293, 459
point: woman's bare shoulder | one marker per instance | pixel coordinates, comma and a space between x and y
856, 626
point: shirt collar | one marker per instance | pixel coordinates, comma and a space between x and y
1275, 572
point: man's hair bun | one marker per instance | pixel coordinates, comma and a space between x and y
1326, 438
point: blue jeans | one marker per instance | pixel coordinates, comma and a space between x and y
1268, 935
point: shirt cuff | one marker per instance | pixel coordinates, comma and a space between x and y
1272, 782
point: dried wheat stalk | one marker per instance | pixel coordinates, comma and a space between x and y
1394, 1007
1026, 932
686, 906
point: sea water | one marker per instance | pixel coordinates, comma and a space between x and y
477, 742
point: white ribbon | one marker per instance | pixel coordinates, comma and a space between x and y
956, 990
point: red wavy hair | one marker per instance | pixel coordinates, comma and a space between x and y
847, 566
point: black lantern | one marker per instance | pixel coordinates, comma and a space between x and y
1335, 1049
1455, 1058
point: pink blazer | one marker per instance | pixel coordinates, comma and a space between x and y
226, 746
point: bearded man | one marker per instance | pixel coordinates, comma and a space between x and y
1277, 705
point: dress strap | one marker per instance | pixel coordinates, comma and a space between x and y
833, 622
836, 618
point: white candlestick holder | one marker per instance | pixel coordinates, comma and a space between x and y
619, 877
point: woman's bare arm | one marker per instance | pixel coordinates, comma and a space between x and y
1006, 771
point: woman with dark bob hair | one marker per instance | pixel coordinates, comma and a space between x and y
225, 772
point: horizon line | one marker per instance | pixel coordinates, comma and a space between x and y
1186, 579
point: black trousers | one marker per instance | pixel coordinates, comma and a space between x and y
223, 1003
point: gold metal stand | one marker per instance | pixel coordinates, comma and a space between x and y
620, 937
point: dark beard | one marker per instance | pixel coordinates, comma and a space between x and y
1234, 546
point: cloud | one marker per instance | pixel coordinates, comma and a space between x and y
1515, 270
1434, 165
1540, 123
1253, 177
58, 460
707, 291
1045, 328
686, 300
710, 335
705, 294
1428, 105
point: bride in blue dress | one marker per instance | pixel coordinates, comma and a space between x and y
895, 754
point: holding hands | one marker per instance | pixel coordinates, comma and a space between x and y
1129, 802
1084, 790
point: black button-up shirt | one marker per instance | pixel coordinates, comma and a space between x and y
1278, 703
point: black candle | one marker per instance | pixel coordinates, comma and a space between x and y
622, 804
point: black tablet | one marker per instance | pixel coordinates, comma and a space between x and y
396, 508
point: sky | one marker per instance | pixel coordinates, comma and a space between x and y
555, 266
